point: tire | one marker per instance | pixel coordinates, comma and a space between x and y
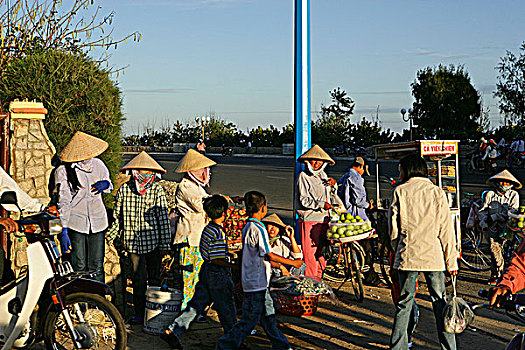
357, 259
384, 262
474, 253
469, 168
92, 305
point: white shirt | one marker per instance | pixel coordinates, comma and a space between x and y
83, 211
24, 201
256, 269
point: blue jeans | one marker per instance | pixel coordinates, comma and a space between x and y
215, 285
257, 306
87, 253
436, 286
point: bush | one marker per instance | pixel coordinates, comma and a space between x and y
77, 92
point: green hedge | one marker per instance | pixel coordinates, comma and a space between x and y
77, 92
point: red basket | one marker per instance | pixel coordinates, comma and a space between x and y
296, 305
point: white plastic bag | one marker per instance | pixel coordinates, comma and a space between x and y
457, 313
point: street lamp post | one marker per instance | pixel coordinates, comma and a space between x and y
203, 121
409, 118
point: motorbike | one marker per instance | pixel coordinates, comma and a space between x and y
475, 163
227, 151
49, 301
339, 151
516, 159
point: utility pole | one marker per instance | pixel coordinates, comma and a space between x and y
302, 87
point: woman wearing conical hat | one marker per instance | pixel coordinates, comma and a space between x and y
493, 216
314, 196
141, 222
80, 181
192, 218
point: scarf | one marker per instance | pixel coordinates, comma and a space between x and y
315, 172
143, 181
85, 165
197, 175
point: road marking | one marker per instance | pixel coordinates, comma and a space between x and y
276, 177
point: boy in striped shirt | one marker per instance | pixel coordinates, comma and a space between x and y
215, 282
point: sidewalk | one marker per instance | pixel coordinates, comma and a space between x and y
347, 325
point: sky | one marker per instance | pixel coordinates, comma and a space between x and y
234, 58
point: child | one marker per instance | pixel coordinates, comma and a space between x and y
256, 270
282, 242
142, 222
215, 283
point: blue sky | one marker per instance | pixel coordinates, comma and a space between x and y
235, 57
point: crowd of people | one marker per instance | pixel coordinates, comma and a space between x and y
421, 232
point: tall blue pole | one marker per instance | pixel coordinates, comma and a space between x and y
302, 87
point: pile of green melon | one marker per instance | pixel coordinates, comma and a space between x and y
346, 225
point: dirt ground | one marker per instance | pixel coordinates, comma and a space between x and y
350, 325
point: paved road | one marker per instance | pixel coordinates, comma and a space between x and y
274, 177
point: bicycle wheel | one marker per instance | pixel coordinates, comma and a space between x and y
384, 262
357, 258
475, 254
335, 270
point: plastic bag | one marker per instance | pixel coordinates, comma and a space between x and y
301, 285
457, 313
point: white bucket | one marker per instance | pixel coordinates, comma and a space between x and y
161, 309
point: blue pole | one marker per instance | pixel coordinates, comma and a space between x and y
302, 87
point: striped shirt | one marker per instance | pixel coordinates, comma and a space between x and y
213, 243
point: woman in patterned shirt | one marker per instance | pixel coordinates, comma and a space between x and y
142, 223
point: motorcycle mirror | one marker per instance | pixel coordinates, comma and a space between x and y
9, 197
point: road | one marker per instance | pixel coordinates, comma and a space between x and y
358, 322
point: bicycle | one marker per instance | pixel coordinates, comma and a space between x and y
347, 264
475, 253
380, 223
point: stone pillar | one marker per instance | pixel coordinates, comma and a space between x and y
30, 160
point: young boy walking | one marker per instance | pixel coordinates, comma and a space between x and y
256, 271
215, 283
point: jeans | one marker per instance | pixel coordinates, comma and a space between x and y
87, 253
146, 271
215, 285
436, 286
257, 306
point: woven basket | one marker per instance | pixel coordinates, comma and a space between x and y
295, 305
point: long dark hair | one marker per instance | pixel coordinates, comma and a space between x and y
72, 177
413, 165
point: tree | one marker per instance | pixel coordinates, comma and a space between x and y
447, 105
330, 128
29, 27
77, 92
510, 88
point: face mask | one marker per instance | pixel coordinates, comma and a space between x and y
85, 165
503, 188
143, 181
315, 172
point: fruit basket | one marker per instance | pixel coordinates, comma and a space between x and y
346, 228
295, 305
235, 220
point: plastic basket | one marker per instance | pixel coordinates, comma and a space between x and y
295, 305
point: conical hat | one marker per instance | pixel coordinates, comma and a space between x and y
145, 162
81, 147
316, 153
193, 160
506, 176
275, 220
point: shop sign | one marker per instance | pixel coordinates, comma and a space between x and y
438, 147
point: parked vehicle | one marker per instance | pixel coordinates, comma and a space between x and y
50, 302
